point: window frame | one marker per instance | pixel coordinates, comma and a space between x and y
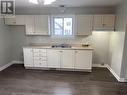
62, 16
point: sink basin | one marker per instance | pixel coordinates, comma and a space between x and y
61, 46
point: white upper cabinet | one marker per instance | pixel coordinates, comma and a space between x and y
84, 24
29, 22
104, 22
37, 24
16, 20
41, 25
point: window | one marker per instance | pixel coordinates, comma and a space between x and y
62, 26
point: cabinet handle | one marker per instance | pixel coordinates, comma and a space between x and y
76, 51
14, 22
61, 51
104, 24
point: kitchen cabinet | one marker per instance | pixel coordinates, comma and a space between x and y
83, 59
63, 59
40, 58
15, 20
37, 24
28, 57
41, 25
29, 22
104, 22
67, 59
54, 58
84, 24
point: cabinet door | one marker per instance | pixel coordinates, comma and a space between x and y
104, 22
83, 59
16, 20
108, 21
20, 20
10, 21
84, 24
29, 21
28, 57
67, 59
41, 25
54, 58
98, 21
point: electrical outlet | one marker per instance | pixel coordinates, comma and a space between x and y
102, 64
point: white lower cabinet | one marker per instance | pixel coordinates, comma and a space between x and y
67, 59
54, 57
40, 57
28, 57
58, 58
83, 59
63, 59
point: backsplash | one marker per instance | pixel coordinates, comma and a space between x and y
51, 40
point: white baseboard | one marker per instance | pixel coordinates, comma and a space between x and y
9, 64
111, 70
99, 65
17, 62
6, 66
115, 75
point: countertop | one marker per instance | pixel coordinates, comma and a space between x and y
50, 47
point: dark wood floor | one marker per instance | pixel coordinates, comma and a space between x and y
15, 80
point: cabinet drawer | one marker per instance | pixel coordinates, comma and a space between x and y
40, 58
37, 58
39, 54
43, 58
43, 54
40, 64
39, 50
36, 54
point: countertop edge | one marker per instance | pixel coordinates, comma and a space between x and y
49, 47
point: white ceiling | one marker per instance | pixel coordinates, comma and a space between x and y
73, 3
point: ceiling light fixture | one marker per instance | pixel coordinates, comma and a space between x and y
33, 1
46, 2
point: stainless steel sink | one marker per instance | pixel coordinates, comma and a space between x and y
61, 46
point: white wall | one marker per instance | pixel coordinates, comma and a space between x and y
116, 51
100, 43
5, 44
98, 40
118, 45
123, 10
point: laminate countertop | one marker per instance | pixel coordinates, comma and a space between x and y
50, 47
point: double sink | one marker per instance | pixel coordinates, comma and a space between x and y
61, 46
